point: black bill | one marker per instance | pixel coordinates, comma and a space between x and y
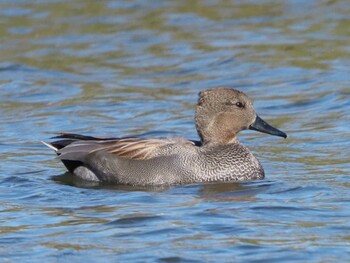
262, 126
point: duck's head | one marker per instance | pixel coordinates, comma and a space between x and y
223, 112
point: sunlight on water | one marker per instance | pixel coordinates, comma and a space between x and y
118, 68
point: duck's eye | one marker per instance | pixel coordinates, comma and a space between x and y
239, 104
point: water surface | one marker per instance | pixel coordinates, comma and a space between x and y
117, 68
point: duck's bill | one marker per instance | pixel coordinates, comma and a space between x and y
262, 126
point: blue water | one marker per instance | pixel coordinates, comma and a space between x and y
118, 68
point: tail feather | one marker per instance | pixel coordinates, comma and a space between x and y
50, 146
68, 138
73, 136
72, 159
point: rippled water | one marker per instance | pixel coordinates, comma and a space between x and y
116, 68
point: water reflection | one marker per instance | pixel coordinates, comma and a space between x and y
215, 192
116, 68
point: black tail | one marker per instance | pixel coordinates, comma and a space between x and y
72, 137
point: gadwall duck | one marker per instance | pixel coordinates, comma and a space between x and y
221, 113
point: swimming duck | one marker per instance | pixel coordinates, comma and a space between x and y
221, 114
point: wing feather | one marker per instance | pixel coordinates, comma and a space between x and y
137, 148
76, 147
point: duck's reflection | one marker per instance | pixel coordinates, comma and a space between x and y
225, 191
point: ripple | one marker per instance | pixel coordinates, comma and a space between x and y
133, 220
119, 68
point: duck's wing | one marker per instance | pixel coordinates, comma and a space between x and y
138, 148
76, 147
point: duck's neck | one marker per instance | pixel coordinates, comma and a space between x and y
216, 131
222, 140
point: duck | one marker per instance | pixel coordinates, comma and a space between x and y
221, 113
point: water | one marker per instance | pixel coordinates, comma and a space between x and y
116, 68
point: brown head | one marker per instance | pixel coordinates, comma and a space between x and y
223, 112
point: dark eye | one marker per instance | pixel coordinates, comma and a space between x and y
239, 104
